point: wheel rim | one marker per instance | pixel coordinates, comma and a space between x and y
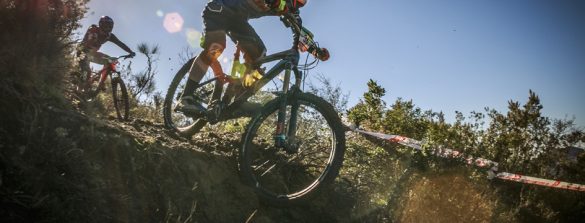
282, 175
120, 99
177, 120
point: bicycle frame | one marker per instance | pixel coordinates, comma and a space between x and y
107, 70
288, 62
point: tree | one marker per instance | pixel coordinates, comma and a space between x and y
522, 140
142, 83
370, 108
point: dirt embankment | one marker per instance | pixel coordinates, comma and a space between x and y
71, 168
65, 167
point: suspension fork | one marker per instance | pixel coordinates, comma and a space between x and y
279, 135
288, 140
291, 143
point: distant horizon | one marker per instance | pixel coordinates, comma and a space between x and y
445, 56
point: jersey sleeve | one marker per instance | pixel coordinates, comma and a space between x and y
114, 39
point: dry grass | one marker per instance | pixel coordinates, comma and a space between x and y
448, 197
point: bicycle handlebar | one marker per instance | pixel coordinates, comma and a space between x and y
290, 21
112, 59
125, 56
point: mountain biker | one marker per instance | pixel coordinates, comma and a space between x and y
230, 17
94, 38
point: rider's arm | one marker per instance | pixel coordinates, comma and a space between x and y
119, 43
293, 12
297, 15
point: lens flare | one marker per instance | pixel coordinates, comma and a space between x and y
173, 22
193, 37
159, 13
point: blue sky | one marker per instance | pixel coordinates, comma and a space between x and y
447, 55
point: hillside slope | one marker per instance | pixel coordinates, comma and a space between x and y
76, 169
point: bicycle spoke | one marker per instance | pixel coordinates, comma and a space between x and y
287, 173
269, 169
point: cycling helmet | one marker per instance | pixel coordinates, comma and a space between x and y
106, 24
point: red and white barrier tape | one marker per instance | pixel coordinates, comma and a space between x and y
540, 181
476, 161
441, 152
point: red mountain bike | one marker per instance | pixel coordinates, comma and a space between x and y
92, 85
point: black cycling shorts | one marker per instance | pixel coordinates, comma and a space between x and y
217, 17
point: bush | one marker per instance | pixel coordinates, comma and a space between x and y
521, 140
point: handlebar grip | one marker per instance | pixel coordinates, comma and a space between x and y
322, 54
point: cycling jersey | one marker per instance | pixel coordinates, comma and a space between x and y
92, 41
250, 9
94, 38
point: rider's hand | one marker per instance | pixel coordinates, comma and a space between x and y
132, 54
323, 54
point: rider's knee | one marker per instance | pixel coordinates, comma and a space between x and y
213, 45
212, 52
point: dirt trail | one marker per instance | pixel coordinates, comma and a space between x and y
72, 168
138, 171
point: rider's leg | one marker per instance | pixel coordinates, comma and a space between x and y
248, 40
253, 48
214, 46
99, 58
85, 68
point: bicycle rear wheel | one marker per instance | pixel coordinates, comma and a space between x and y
120, 99
183, 124
283, 178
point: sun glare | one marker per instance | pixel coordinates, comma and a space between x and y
173, 22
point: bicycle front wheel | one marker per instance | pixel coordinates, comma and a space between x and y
288, 176
120, 99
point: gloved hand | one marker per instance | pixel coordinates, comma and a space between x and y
323, 54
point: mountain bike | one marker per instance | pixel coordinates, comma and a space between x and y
294, 146
95, 82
